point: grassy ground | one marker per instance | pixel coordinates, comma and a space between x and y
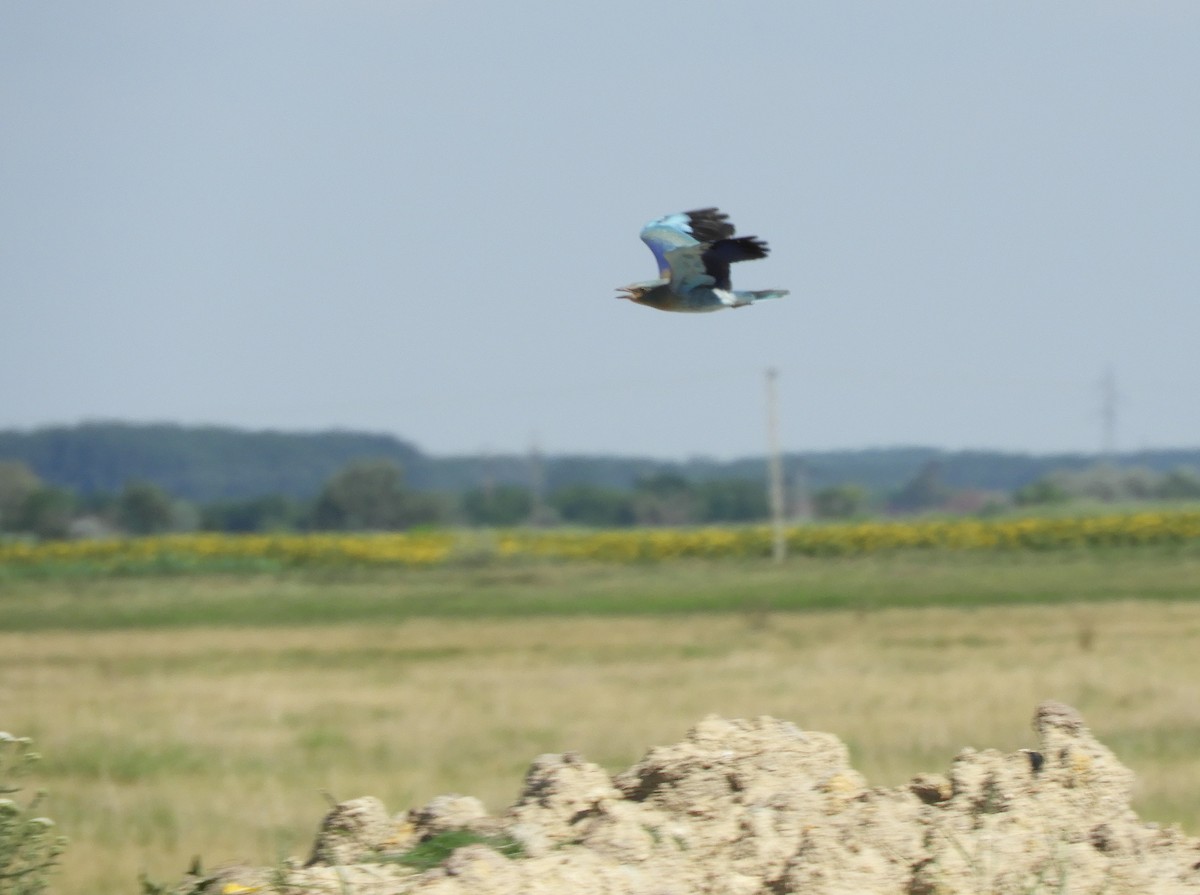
205, 715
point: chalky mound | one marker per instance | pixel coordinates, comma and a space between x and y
760, 806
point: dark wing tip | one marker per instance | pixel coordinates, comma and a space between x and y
718, 256
741, 248
709, 224
753, 247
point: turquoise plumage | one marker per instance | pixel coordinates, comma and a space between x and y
694, 250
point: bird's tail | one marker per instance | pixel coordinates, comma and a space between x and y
745, 298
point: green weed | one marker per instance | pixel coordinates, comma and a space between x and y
29, 848
433, 851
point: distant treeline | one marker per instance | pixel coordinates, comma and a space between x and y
209, 463
101, 479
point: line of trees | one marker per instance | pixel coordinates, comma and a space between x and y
1109, 484
365, 496
373, 495
202, 464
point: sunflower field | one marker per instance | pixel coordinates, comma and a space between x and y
267, 552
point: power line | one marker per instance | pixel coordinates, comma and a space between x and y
775, 468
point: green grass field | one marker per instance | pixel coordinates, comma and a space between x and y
208, 715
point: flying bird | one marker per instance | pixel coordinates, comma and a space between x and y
694, 250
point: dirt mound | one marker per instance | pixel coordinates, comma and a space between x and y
760, 806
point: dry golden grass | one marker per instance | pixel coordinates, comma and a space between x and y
163, 744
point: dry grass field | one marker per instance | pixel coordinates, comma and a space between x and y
211, 716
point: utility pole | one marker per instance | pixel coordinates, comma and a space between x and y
775, 468
1108, 416
488, 474
537, 482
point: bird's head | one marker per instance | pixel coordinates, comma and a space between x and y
640, 291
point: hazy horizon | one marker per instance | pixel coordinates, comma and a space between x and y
682, 457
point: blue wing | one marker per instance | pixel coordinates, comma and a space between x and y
688, 229
695, 248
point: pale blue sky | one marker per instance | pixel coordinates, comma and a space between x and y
410, 217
